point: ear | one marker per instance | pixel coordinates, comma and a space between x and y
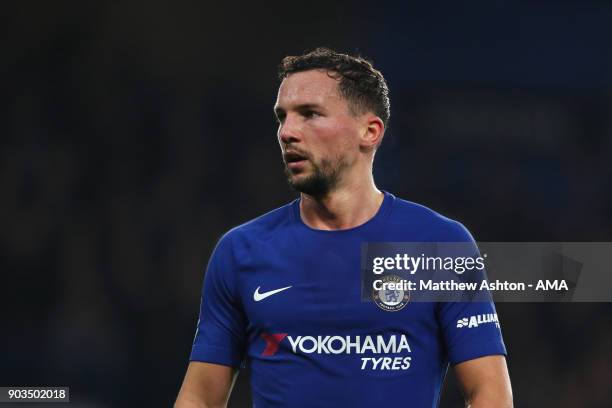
372, 132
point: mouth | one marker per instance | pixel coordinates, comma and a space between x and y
294, 160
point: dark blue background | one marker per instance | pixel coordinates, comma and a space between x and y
134, 133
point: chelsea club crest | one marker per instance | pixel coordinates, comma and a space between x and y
391, 298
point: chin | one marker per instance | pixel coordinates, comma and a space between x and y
297, 174
298, 180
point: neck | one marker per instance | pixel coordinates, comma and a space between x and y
345, 207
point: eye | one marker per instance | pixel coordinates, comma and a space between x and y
280, 118
310, 114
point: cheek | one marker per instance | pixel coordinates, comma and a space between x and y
346, 140
339, 137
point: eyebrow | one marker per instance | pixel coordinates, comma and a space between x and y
302, 107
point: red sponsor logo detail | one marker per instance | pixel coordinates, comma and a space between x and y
272, 342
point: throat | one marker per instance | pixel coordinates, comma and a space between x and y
334, 212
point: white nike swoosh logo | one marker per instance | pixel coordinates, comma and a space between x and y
261, 296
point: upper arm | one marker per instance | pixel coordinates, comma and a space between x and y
220, 335
218, 346
473, 339
206, 386
485, 382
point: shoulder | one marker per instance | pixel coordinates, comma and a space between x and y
263, 227
429, 223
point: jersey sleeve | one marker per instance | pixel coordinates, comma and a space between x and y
470, 328
220, 333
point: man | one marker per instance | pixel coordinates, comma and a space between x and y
283, 292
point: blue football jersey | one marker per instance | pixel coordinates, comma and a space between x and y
285, 299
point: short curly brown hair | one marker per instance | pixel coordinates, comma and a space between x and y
363, 86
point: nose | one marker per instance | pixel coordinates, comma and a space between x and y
288, 131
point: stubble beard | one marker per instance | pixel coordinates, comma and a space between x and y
324, 178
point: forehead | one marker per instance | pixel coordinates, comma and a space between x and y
308, 87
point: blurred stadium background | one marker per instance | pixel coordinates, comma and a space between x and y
133, 134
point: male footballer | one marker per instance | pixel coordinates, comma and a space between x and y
283, 291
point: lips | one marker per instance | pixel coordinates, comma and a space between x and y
295, 160
294, 157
